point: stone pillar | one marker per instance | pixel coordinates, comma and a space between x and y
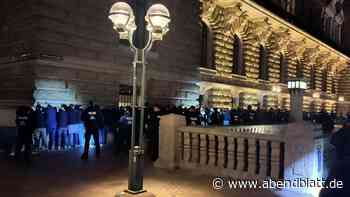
169, 124
296, 104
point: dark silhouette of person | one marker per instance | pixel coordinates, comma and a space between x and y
154, 118
92, 119
339, 170
25, 121
123, 138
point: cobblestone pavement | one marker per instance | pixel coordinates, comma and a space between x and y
63, 174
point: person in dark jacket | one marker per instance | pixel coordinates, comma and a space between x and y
51, 125
326, 122
123, 138
154, 118
62, 120
25, 121
92, 119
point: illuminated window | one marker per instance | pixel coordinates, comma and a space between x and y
238, 64
207, 58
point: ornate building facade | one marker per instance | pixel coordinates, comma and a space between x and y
253, 53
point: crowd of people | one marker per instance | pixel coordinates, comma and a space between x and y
61, 128
214, 116
68, 126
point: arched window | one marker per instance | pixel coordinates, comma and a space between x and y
263, 66
238, 64
283, 69
207, 57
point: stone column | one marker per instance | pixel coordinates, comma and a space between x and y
296, 104
169, 124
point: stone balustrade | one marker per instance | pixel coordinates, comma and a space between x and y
292, 151
242, 152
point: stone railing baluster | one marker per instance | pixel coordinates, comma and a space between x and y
263, 158
252, 157
194, 148
212, 151
240, 154
221, 152
230, 152
275, 159
203, 156
187, 147
180, 146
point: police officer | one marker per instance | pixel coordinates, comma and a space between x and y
25, 122
92, 119
153, 123
124, 132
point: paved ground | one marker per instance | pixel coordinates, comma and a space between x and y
63, 174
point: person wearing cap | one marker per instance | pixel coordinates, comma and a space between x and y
92, 119
25, 121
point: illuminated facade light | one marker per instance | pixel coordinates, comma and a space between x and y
297, 84
316, 95
341, 99
276, 89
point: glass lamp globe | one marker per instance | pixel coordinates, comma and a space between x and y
158, 18
121, 15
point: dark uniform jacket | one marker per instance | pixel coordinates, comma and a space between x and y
92, 118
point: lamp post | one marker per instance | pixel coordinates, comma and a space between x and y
297, 88
123, 19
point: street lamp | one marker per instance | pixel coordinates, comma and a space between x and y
297, 88
123, 19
